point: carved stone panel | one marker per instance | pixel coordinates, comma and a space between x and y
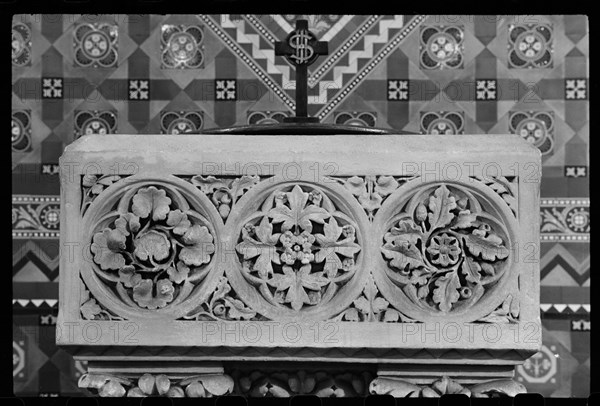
307, 244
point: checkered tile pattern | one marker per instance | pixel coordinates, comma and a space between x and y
129, 74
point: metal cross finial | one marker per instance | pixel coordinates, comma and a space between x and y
301, 49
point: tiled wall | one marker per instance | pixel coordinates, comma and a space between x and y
75, 75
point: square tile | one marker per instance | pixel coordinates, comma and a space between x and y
182, 46
139, 89
486, 89
95, 45
226, 89
52, 88
576, 89
397, 90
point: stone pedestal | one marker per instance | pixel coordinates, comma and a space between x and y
203, 265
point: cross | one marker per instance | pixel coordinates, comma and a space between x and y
301, 49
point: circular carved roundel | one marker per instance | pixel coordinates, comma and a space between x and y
298, 250
445, 250
151, 245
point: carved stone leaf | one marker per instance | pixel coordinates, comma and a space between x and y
403, 254
362, 305
143, 295
391, 315
356, 185
239, 185
152, 245
106, 246
490, 248
446, 293
153, 201
178, 273
406, 230
208, 184
128, 276
465, 219
264, 248
128, 222
90, 309
218, 385
471, 269
297, 214
238, 310
370, 201
179, 220
385, 185
202, 246
295, 282
379, 305
441, 204
330, 246
351, 314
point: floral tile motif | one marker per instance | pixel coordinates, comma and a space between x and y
180, 122
139, 89
451, 122
182, 46
35, 216
441, 47
576, 89
95, 122
397, 90
226, 89
535, 127
486, 89
21, 44
530, 46
266, 117
21, 130
95, 45
575, 171
362, 119
52, 88
318, 24
565, 220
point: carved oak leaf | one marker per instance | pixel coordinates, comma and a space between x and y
178, 273
209, 184
370, 201
295, 282
491, 247
441, 205
264, 248
202, 246
330, 247
446, 293
465, 219
241, 184
470, 268
297, 214
153, 201
106, 246
128, 277
179, 220
152, 245
400, 246
142, 293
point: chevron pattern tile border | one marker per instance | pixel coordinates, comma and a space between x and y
77, 75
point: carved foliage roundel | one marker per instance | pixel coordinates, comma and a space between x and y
299, 249
446, 248
150, 248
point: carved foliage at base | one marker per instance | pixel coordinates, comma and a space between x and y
400, 388
286, 384
198, 386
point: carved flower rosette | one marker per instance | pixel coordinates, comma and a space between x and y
446, 249
298, 250
151, 250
